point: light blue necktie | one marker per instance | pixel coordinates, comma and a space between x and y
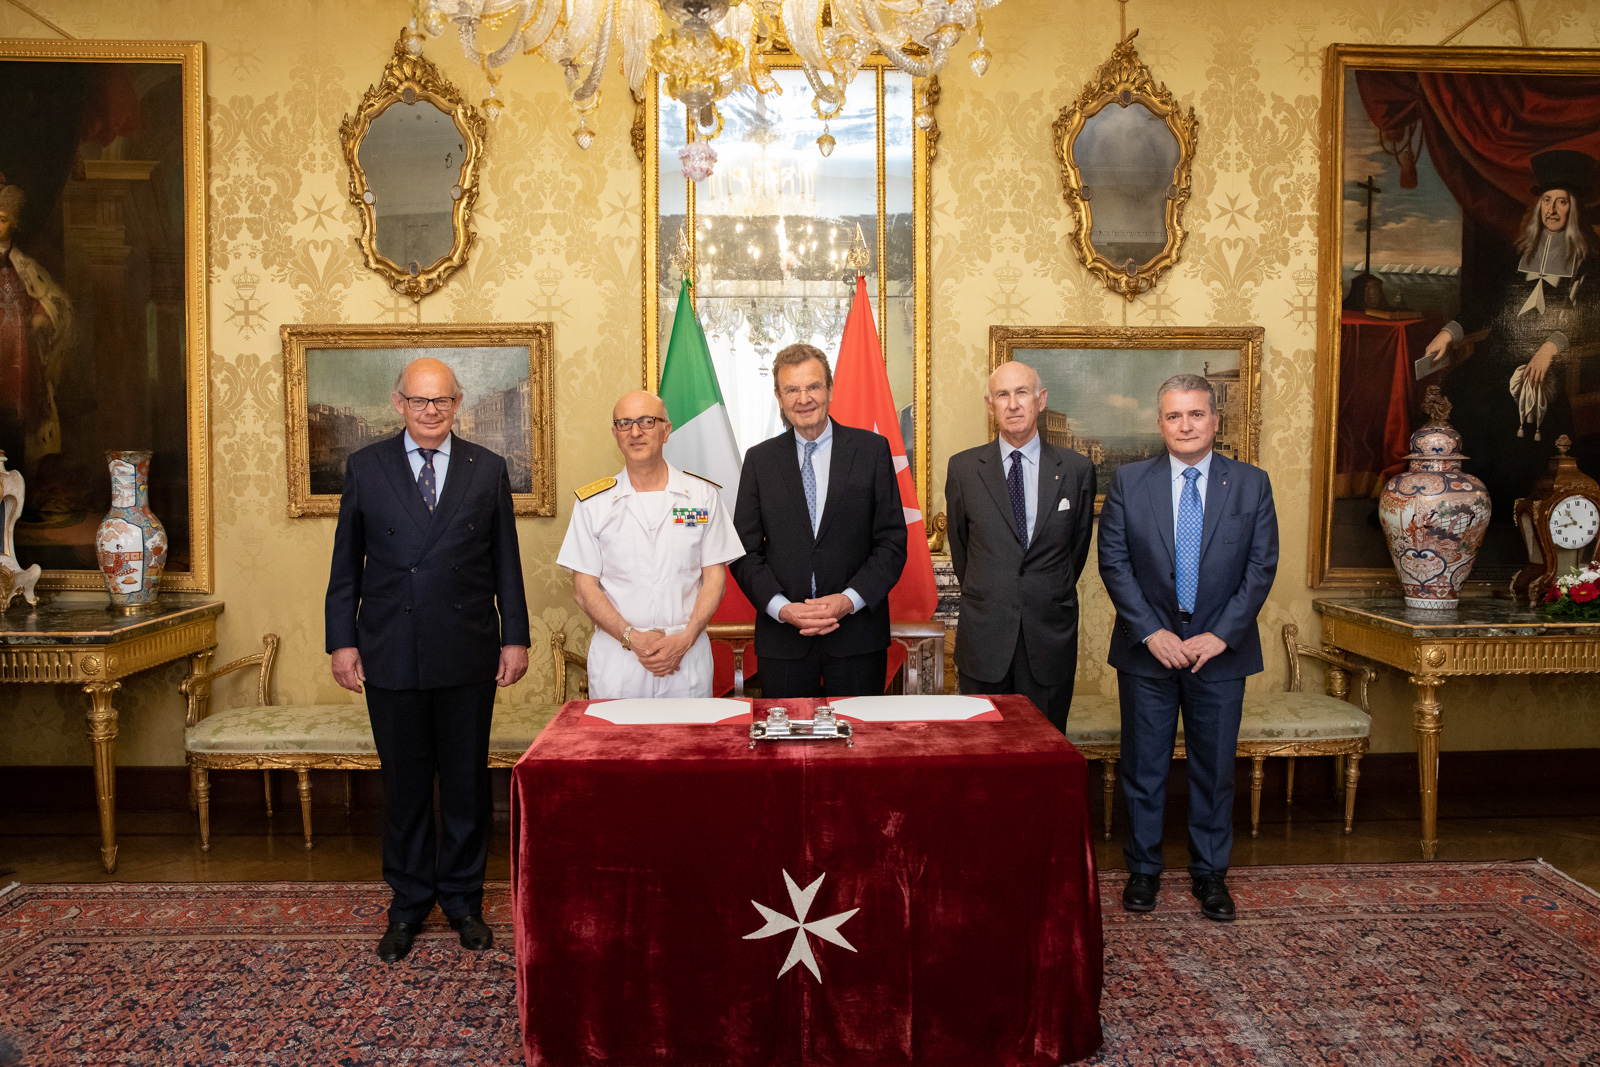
808, 479
1191, 522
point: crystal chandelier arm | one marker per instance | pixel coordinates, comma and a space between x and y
468, 29
536, 31
583, 23
641, 22
602, 48
800, 19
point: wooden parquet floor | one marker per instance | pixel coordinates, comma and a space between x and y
1483, 817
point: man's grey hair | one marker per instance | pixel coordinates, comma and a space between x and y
1188, 383
455, 383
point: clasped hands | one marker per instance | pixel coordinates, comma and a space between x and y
818, 615
659, 652
1173, 651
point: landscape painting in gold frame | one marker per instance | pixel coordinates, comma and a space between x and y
103, 148
1101, 385
1443, 148
339, 378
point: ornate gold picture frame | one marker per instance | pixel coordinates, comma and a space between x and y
1101, 385
338, 380
104, 153
899, 221
411, 81
1427, 180
1132, 157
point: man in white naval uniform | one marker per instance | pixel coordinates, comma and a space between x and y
646, 550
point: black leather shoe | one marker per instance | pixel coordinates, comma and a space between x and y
1140, 892
1211, 890
396, 941
475, 933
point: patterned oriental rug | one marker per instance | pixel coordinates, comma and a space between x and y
1378, 965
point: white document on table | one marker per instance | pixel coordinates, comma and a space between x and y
915, 708
667, 711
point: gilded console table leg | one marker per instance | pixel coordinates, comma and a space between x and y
103, 735
1428, 723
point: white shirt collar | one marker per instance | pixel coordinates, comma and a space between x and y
412, 446
1030, 451
1179, 466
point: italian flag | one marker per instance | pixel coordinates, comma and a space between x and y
702, 437
702, 441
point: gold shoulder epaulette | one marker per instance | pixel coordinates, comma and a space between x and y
595, 487
703, 478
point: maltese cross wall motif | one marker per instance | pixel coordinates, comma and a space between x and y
778, 923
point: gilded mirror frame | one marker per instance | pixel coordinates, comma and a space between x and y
1124, 80
925, 150
408, 79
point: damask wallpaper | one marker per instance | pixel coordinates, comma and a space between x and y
558, 240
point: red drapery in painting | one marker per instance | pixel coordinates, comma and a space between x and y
1483, 130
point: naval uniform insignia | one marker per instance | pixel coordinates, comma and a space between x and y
691, 516
703, 478
595, 487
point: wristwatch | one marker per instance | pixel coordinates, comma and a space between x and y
627, 642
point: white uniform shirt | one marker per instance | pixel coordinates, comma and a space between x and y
648, 563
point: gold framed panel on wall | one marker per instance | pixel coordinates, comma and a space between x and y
1445, 147
103, 146
796, 190
1101, 385
339, 378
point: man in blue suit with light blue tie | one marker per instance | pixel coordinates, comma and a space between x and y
1188, 551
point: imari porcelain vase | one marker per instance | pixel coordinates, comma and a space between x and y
131, 543
1434, 514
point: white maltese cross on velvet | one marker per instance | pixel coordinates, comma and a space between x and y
800, 951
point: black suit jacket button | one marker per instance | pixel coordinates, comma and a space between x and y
455, 566
413, 570
458, 607
391, 531
408, 611
470, 526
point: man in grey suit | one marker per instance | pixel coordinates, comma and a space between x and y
1188, 551
1021, 513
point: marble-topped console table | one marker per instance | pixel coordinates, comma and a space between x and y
84, 644
1484, 635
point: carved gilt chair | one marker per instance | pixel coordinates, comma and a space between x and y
307, 737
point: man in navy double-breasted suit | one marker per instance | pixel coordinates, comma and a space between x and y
1188, 551
426, 607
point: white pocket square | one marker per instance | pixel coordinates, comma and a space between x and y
1064, 505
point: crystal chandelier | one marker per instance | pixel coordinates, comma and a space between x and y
706, 49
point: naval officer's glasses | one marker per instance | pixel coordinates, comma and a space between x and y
444, 405
644, 422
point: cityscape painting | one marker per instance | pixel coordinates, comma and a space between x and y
1101, 386
341, 379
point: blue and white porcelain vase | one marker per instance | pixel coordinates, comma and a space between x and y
131, 543
1434, 514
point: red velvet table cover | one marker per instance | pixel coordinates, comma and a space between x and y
638, 851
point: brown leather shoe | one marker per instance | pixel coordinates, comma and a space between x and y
475, 933
396, 941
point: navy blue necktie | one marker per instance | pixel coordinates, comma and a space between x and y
1019, 498
425, 477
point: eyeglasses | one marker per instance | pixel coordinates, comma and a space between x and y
791, 392
644, 422
444, 405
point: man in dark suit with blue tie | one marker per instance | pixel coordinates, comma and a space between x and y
1188, 551
425, 550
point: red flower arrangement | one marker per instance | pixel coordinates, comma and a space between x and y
1575, 595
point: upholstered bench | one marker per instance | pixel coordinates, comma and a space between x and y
1289, 724
307, 737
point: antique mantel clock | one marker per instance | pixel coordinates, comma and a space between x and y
1559, 521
